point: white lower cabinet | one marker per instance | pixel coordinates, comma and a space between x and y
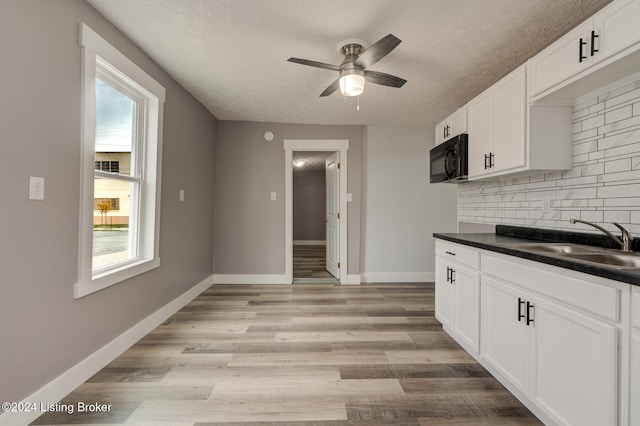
505, 337
560, 355
458, 292
635, 357
574, 365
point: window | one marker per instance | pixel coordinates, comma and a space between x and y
120, 182
108, 166
106, 204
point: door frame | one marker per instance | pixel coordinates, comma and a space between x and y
330, 145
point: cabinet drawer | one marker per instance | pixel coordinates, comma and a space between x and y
585, 292
467, 256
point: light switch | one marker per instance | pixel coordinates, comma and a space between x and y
36, 188
182, 195
349, 197
273, 196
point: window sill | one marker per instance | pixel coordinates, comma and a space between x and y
114, 276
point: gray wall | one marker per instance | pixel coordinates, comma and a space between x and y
401, 208
309, 205
44, 331
249, 228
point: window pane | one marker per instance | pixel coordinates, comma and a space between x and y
115, 114
114, 221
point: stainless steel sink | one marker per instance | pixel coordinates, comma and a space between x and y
587, 254
553, 247
617, 260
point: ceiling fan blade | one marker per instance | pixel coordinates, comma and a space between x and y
383, 79
332, 88
377, 51
314, 64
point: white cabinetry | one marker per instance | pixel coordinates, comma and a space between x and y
591, 45
553, 337
635, 357
458, 292
451, 126
497, 120
506, 135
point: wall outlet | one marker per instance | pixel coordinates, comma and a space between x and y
36, 188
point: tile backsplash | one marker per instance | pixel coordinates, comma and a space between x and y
602, 187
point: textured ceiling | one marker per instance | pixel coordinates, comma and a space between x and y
232, 54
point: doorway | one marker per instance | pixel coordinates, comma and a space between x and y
335, 154
311, 200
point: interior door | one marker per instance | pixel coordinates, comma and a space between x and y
332, 172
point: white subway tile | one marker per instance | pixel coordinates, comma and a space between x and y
592, 123
618, 114
614, 166
624, 97
620, 216
620, 191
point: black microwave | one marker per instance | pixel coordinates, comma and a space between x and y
449, 162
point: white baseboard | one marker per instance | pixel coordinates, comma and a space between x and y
59, 387
398, 277
250, 279
353, 279
309, 243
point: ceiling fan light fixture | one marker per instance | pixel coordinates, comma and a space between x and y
299, 163
351, 82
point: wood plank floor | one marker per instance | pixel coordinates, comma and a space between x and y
310, 262
303, 355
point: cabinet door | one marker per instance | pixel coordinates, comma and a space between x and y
635, 357
617, 27
574, 366
466, 306
444, 293
479, 126
561, 60
509, 118
505, 341
458, 122
441, 129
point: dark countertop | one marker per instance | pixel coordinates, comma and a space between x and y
513, 234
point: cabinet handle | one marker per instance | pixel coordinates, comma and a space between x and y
444, 132
529, 316
491, 162
451, 253
520, 314
453, 275
486, 164
580, 55
593, 42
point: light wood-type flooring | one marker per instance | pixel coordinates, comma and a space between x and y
310, 262
303, 355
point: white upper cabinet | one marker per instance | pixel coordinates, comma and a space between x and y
451, 126
593, 50
509, 136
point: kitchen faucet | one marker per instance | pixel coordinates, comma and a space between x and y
627, 239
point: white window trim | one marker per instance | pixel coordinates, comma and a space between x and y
93, 47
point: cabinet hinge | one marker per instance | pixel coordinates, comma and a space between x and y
338, 215
338, 265
338, 165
